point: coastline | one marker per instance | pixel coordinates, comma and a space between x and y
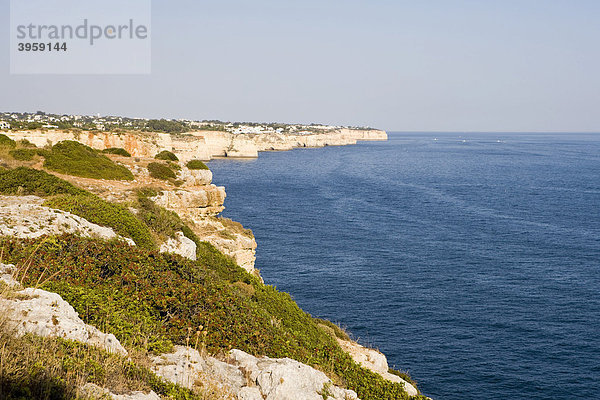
197, 185
202, 145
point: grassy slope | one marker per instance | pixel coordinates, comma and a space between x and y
73, 158
51, 368
151, 301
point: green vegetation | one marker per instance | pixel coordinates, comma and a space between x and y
117, 150
196, 164
166, 155
27, 181
334, 328
101, 212
404, 376
23, 154
161, 171
51, 368
150, 301
166, 126
163, 222
24, 143
73, 158
64, 196
5, 141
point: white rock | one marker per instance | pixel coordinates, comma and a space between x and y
195, 177
184, 366
287, 379
205, 200
248, 377
180, 245
91, 389
241, 247
7, 273
46, 314
25, 217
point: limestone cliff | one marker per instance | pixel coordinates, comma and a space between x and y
203, 145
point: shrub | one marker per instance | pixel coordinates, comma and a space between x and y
5, 141
335, 328
23, 154
101, 212
166, 156
73, 158
117, 150
196, 164
26, 144
150, 300
162, 221
161, 171
28, 181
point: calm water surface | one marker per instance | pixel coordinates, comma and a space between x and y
472, 261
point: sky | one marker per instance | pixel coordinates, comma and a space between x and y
428, 65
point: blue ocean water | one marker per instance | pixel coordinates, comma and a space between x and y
472, 261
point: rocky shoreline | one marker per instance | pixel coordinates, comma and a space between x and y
198, 202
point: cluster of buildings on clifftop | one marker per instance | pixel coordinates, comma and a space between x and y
42, 120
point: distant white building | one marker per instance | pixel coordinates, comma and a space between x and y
48, 126
4, 125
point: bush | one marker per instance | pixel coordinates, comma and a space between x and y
73, 158
166, 156
26, 144
335, 328
101, 212
28, 181
161, 171
161, 221
151, 300
5, 141
196, 164
117, 150
23, 154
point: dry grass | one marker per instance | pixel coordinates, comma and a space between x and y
212, 389
236, 227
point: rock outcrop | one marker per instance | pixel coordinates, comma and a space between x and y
247, 377
25, 217
374, 361
46, 314
234, 241
198, 202
180, 245
195, 177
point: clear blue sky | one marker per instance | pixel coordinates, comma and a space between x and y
449, 65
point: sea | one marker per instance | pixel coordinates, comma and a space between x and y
472, 260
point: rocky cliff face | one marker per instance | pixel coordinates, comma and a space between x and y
26, 217
199, 202
203, 145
